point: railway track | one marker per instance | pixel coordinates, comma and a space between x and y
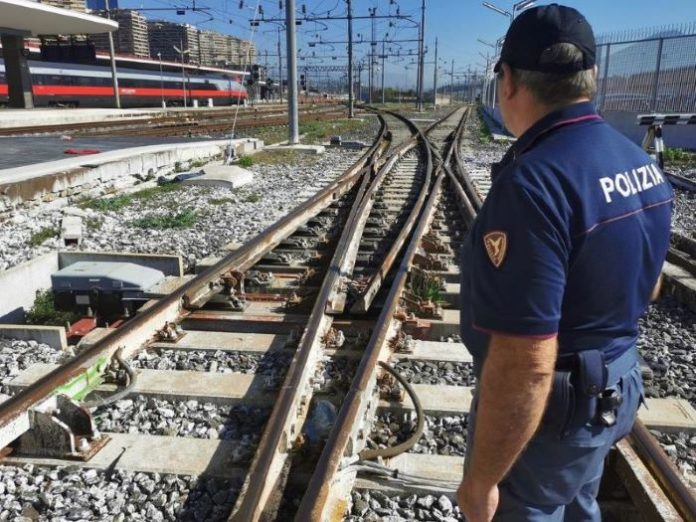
308, 341
293, 270
181, 123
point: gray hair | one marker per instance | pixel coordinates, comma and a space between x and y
557, 89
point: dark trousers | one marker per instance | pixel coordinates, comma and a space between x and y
556, 478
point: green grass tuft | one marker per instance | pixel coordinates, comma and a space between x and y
43, 311
426, 287
245, 161
485, 135
185, 219
220, 201
679, 156
252, 198
116, 203
37, 238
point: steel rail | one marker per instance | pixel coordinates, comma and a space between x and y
337, 302
346, 434
186, 128
364, 300
293, 401
14, 417
664, 471
190, 118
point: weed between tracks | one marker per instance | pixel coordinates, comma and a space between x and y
43, 311
185, 219
246, 161
115, 203
680, 157
484, 135
37, 238
282, 157
313, 131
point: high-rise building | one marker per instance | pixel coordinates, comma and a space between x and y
131, 37
163, 36
205, 47
100, 5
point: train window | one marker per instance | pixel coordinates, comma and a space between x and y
83, 80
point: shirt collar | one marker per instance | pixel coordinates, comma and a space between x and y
567, 115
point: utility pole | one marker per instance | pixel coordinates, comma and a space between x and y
280, 69
435, 78
452, 84
421, 54
114, 77
383, 57
351, 101
293, 116
182, 52
360, 68
372, 54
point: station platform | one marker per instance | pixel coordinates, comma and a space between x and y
11, 118
29, 150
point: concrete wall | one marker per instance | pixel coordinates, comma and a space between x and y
58, 183
20, 283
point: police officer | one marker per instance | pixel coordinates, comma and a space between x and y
560, 263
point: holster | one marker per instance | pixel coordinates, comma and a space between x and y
577, 387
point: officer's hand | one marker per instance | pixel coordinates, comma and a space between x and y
477, 504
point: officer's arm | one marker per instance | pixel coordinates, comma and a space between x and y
656, 291
515, 385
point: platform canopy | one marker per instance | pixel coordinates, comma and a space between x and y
27, 18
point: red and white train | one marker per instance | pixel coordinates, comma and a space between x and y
142, 83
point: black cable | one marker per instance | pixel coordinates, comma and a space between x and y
393, 451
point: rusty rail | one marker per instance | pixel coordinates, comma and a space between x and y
664, 471
346, 433
14, 418
293, 402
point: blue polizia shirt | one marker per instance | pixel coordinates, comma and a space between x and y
570, 240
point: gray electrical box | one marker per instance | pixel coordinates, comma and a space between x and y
106, 287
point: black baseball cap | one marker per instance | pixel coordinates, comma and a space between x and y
535, 30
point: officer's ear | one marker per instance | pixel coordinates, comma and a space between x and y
507, 88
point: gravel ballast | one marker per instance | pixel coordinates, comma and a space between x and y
195, 419
273, 364
436, 372
442, 435
681, 448
214, 216
16, 356
375, 506
69, 493
667, 340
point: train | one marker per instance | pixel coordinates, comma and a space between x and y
142, 83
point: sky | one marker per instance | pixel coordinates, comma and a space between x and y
457, 24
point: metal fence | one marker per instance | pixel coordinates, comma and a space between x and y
648, 70
644, 70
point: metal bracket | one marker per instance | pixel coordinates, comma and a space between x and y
171, 333
61, 428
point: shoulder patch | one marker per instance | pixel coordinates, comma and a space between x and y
496, 246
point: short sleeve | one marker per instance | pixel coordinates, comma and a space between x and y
520, 262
